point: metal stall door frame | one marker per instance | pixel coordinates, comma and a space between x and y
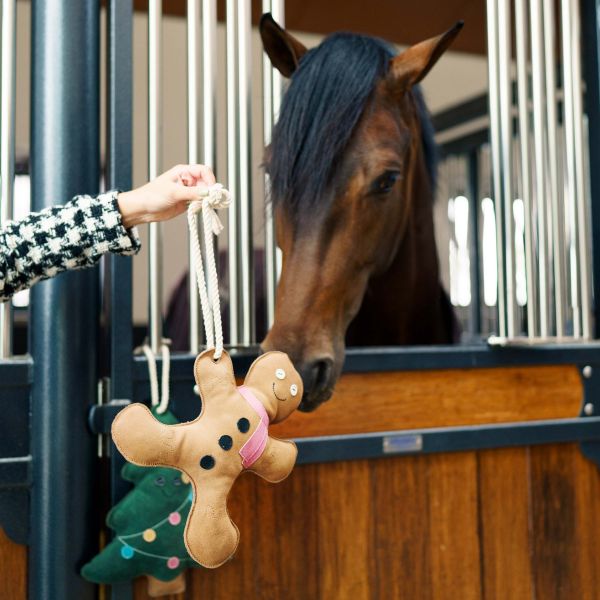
127, 377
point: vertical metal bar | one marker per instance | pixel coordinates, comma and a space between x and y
580, 176
571, 168
245, 237
118, 269
192, 128
571, 188
154, 150
7, 147
496, 150
209, 99
590, 24
539, 128
474, 255
272, 94
232, 173
270, 241
506, 134
209, 82
65, 160
556, 215
521, 29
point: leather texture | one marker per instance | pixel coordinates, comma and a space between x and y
207, 449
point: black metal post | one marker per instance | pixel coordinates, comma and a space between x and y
590, 29
64, 317
474, 254
117, 282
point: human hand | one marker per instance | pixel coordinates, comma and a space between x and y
166, 196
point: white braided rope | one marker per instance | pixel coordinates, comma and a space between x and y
216, 197
161, 403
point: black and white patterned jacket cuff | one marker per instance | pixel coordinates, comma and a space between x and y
58, 238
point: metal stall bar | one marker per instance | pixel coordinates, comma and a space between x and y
496, 149
118, 269
244, 240
7, 147
521, 34
192, 130
506, 134
571, 167
208, 128
583, 212
232, 174
272, 93
556, 216
65, 160
539, 144
154, 149
590, 39
268, 122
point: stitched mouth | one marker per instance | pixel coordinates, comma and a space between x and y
276, 396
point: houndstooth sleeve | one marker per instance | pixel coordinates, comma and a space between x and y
58, 238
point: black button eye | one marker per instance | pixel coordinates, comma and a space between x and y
384, 183
159, 481
177, 481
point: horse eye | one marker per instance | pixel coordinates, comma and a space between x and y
384, 183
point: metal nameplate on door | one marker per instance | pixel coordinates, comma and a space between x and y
398, 444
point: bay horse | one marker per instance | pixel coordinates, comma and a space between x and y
352, 173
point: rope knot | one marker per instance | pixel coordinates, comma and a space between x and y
216, 197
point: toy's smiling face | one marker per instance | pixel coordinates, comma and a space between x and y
274, 375
283, 390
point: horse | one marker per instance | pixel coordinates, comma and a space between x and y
351, 166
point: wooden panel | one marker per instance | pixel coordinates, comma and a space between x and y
13, 569
565, 503
453, 536
508, 523
415, 399
401, 529
343, 524
504, 523
403, 23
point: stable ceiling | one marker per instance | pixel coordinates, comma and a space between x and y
403, 22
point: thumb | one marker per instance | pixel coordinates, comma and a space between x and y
183, 193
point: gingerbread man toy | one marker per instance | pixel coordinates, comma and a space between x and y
228, 437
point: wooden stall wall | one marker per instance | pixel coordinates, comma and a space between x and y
505, 524
509, 524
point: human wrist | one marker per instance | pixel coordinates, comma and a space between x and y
131, 209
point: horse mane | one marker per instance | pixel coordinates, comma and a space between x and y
319, 112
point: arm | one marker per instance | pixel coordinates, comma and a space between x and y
58, 238
75, 235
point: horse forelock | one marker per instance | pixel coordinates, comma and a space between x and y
326, 97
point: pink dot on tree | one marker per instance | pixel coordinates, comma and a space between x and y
173, 562
174, 518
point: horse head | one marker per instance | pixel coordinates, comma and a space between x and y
351, 166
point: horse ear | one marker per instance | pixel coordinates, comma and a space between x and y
410, 66
284, 50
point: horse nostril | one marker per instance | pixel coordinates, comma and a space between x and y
316, 375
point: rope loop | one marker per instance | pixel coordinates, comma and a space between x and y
216, 197
158, 401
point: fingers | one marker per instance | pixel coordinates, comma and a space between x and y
191, 175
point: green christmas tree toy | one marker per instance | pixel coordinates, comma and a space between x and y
148, 524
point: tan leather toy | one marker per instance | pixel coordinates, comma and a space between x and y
229, 436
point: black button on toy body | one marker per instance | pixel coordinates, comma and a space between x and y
225, 442
243, 425
207, 462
